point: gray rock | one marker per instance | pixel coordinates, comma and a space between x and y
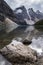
26, 42
19, 53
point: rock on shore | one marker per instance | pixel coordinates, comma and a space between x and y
16, 52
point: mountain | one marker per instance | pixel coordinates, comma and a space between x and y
29, 17
35, 16
21, 14
7, 16
40, 14
32, 14
5, 10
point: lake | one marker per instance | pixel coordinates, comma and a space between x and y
34, 34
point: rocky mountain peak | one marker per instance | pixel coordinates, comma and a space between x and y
30, 10
21, 8
38, 12
21, 15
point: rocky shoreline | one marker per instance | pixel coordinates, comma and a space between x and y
2, 26
20, 54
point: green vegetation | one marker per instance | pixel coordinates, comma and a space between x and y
2, 26
39, 27
40, 22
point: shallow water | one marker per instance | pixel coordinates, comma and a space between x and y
3, 61
21, 33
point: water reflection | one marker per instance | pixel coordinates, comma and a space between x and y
21, 33
37, 45
24, 32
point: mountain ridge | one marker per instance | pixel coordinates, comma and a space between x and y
19, 15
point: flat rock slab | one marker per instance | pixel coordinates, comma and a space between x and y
16, 52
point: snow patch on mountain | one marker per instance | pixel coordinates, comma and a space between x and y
19, 11
29, 22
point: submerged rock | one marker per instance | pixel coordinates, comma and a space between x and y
18, 53
26, 42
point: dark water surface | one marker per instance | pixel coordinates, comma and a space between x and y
25, 32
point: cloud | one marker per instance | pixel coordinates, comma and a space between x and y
36, 4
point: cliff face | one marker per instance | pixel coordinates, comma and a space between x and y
5, 9
23, 14
35, 16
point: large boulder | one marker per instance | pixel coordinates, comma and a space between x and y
26, 42
16, 52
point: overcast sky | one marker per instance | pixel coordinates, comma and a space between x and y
35, 4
